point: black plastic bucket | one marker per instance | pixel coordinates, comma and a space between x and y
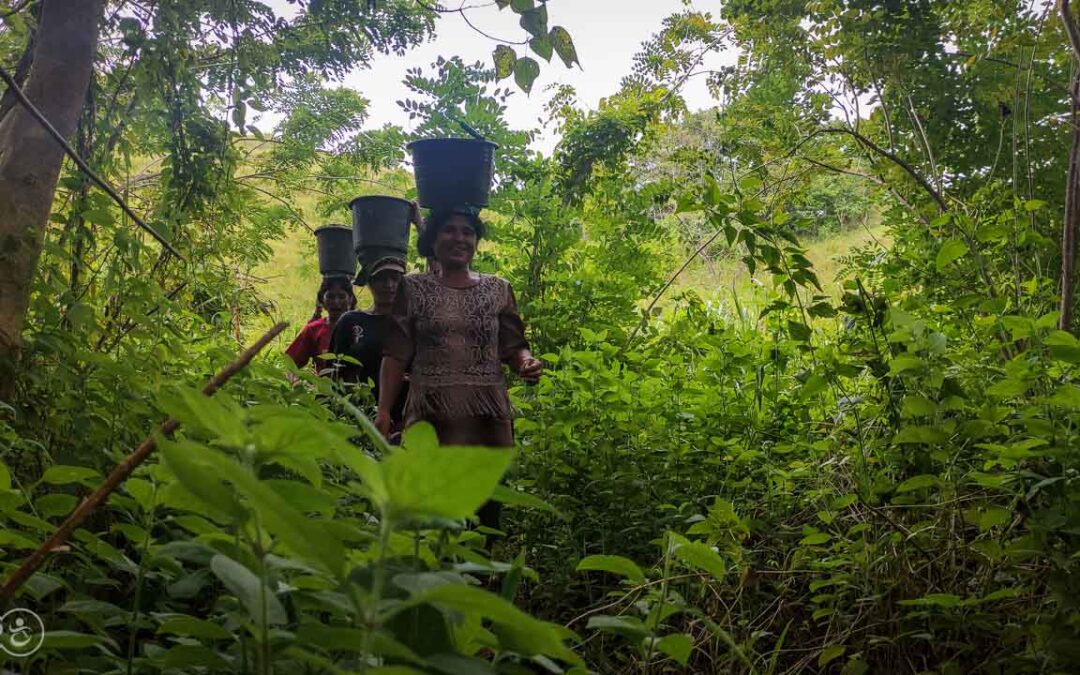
381, 224
453, 171
335, 250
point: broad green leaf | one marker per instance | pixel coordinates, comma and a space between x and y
1066, 396
304, 536
951, 250
57, 504
220, 416
614, 564
512, 497
677, 645
564, 45
918, 483
535, 21
815, 539
628, 626
66, 639
63, 475
541, 46
1008, 388
526, 70
504, 57
5, 477
921, 434
520, 6
529, 635
799, 331
186, 658
189, 626
944, 600
187, 461
445, 482
904, 362
250, 590
830, 654
697, 555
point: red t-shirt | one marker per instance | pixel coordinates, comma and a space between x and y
313, 340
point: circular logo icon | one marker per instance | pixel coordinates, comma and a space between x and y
21, 632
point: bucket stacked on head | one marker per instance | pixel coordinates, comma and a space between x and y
380, 230
453, 172
334, 244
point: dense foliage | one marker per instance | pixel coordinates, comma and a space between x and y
873, 473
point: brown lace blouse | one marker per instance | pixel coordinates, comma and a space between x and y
453, 342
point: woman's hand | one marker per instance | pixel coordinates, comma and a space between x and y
529, 367
383, 423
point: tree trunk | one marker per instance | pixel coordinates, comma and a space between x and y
30, 159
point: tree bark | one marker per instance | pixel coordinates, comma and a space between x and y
30, 159
1071, 221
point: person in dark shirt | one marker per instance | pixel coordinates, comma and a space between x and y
359, 334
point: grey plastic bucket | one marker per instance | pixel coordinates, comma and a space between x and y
335, 250
453, 171
381, 223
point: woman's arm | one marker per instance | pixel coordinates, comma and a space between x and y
391, 377
513, 347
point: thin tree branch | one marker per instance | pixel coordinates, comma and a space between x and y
13, 86
124, 469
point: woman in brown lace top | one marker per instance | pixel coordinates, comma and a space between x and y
452, 331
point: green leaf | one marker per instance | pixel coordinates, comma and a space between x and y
677, 645
799, 331
815, 539
186, 460
5, 477
99, 216
528, 635
250, 590
66, 639
951, 250
918, 483
614, 564
220, 416
1067, 396
304, 536
535, 22
423, 479
185, 658
520, 6
189, 626
57, 504
830, 654
504, 57
921, 434
59, 474
541, 46
526, 70
512, 497
564, 45
1034, 204
697, 555
944, 600
904, 362
629, 627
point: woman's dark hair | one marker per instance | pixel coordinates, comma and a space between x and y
438, 219
329, 284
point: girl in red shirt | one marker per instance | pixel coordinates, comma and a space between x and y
336, 296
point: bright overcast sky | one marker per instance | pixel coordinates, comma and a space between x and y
607, 34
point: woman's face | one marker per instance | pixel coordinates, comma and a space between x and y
455, 242
384, 286
336, 300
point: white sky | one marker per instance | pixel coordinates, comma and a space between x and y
607, 34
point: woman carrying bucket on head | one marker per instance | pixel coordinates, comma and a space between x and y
452, 331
